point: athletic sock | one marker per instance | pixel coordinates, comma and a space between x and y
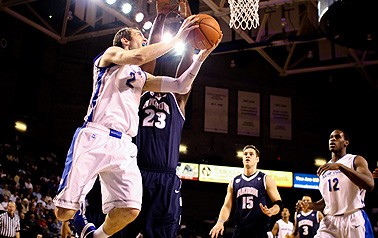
100, 233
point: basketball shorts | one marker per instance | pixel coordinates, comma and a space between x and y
98, 151
161, 207
342, 226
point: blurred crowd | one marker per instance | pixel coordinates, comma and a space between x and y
31, 181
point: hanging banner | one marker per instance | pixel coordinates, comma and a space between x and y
248, 113
280, 117
216, 110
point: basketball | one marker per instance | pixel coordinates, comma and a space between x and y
207, 34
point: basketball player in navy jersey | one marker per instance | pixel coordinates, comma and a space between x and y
103, 145
248, 193
344, 181
306, 222
161, 120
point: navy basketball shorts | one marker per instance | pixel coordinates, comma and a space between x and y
161, 204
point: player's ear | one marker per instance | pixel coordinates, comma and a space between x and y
125, 42
346, 143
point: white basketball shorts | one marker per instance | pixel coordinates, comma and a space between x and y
343, 226
95, 150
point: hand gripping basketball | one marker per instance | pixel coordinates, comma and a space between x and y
207, 34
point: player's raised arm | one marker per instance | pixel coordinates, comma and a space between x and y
140, 54
181, 84
224, 213
163, 7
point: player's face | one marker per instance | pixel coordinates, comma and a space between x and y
250, 157
337, 141
285, 213
306, 199
137, 40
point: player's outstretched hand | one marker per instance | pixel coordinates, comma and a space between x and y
204, 53
300, 206
164, 7
218, 228
266, 210
187, 26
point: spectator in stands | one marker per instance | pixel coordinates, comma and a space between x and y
50, 205
33, 226
6, 191
4, 203
28, 185
36, 192
13, 197
25, 206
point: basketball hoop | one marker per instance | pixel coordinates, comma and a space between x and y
244, 14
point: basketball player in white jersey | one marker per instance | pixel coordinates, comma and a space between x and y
283, 226
343, 183
103, 145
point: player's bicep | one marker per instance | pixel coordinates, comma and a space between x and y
271, 189
119, 56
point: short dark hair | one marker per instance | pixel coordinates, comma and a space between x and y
123, 33
346, 135
252, 147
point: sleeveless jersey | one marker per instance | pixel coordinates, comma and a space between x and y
340, 194
308, 223
116, 96
160, 127
284, 228
249, 192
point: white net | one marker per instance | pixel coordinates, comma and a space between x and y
244, 14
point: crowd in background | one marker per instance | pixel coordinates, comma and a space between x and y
31, 181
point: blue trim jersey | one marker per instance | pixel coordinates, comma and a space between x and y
308, 223
249, 192
160, 126
116, 96
340, 194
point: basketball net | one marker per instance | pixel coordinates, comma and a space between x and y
244, 14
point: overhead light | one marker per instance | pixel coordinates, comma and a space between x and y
147, 25
320, 161
183, 149
239, 154
180, 48
20, 126
139, 17
126, 8
111, 2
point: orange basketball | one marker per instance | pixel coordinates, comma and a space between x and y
207, 34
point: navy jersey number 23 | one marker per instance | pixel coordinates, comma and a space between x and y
159, 117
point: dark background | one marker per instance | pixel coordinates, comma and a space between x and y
48, 85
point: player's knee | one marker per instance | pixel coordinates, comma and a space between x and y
63, 214
132, 213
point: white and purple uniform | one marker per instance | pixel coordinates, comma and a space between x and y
103, 145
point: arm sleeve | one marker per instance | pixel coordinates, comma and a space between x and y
183, 83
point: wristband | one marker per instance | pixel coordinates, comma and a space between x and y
221, 220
